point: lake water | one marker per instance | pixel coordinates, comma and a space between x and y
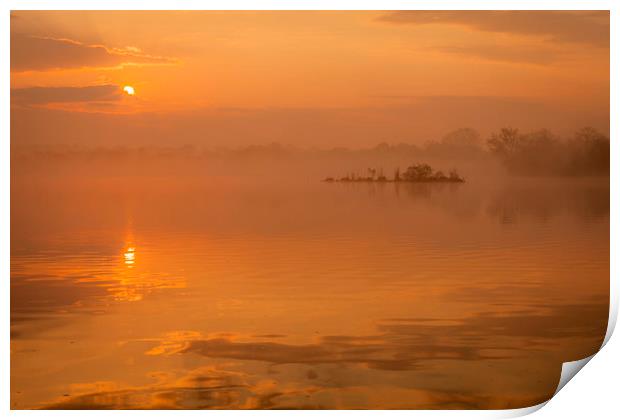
147, 293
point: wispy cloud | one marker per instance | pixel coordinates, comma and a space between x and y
65, 94
41, 54
587, 27
499, 53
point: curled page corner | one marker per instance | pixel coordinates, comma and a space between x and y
569, 370
613, 316
521, 412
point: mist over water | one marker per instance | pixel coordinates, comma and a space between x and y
184, 282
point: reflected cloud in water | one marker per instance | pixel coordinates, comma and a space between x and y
448, 362
404, 343
212, 388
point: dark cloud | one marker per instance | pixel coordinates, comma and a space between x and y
40, 53
588, 27
65, 94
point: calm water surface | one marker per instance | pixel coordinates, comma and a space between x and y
143, 293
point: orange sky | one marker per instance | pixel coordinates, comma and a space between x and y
303, 78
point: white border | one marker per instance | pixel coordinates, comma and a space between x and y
593, 394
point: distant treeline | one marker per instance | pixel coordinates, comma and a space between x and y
586, 152
543, 153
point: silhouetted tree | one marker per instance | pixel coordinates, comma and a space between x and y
454, 176
591, 152
504, 143
418, 172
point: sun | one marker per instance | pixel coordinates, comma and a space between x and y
129, 90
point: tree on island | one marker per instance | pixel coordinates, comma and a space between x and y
418, 172
421, 172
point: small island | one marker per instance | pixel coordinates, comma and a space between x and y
421, 172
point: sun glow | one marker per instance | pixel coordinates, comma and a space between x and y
129, 90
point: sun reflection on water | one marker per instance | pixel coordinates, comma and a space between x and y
130, 256
133, 281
